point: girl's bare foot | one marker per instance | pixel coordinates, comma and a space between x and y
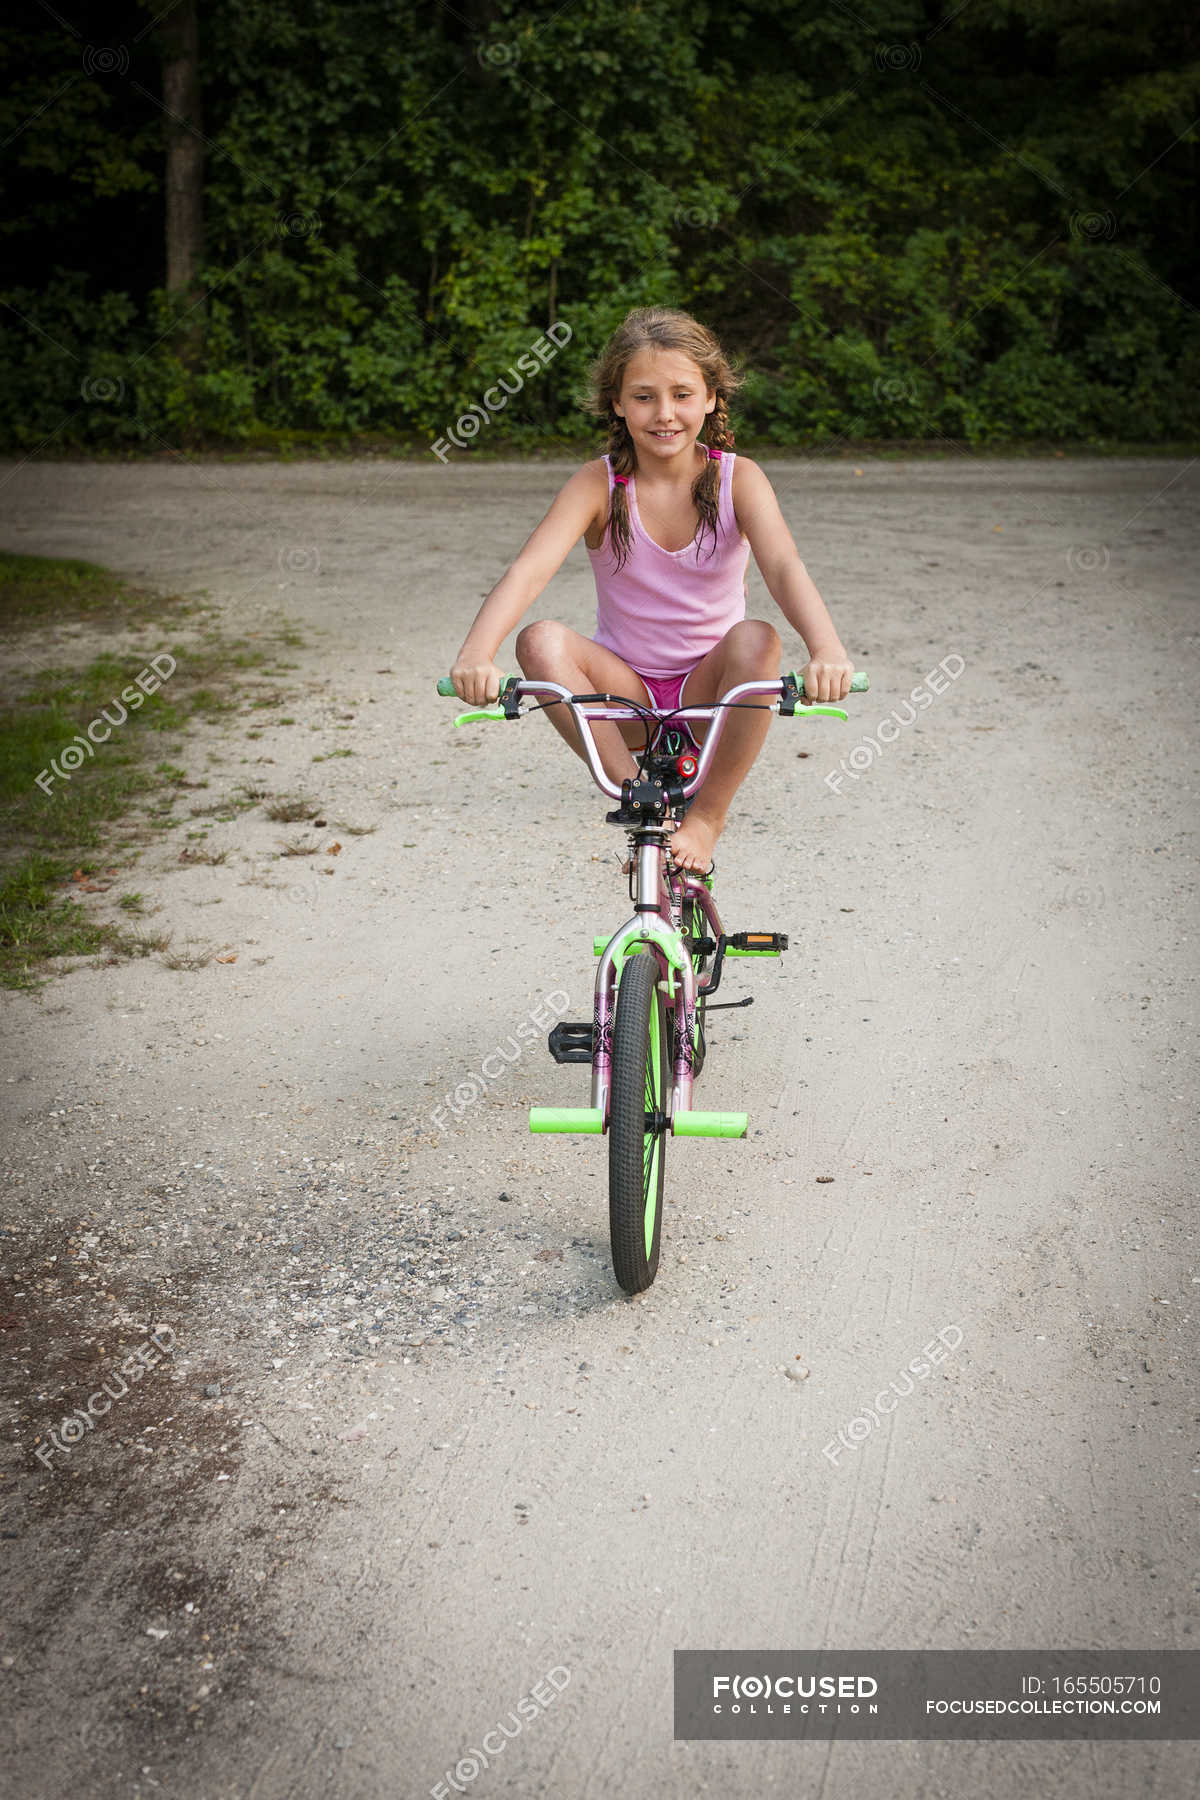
692, 845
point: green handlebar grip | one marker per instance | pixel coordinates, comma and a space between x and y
445, 687
860, 681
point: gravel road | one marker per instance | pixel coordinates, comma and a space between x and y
404, 1451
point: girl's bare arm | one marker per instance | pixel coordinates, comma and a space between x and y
827, 675
576, 506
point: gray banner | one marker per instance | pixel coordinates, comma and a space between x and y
1133, 1694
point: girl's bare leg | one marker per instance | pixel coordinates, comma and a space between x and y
750, 651
548, 651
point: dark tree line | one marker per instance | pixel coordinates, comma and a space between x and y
261, 219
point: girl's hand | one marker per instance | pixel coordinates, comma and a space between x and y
827, 675
476, 678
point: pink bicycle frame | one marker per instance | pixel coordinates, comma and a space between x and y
661, 891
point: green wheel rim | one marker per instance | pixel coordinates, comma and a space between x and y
652, 1141
637, 1154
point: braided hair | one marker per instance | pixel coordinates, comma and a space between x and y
662, 328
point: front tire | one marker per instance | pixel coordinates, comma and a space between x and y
637, 1150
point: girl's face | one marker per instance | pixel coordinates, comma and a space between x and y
664, 402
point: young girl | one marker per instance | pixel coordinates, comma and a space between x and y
669, 515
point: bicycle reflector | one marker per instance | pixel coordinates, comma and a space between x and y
686, 766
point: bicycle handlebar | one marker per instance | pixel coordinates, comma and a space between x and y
859, 683
615, 708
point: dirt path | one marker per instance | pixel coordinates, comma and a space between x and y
405, 1449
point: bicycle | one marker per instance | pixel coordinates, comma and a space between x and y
658, 972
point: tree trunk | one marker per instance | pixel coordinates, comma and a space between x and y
185, 166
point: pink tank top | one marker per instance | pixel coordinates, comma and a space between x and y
666, 608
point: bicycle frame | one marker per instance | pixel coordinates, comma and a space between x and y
661, 891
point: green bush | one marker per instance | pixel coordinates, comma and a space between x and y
904, 235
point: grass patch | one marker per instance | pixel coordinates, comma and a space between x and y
44, 590
86, 762
177, 777
194, 854
290, 809
194, 955
36, 922
224, 811
137, 943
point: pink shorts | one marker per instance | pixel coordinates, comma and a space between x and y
666, 692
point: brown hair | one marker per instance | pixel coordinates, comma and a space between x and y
662, 328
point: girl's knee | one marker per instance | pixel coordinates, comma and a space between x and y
540, 647
754, 642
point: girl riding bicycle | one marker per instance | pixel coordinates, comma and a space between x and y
669, 515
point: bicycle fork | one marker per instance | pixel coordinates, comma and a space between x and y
654, 929
662, 938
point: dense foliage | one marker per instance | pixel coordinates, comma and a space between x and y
981, 228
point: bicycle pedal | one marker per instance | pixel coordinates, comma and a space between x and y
756, 943
571, 1043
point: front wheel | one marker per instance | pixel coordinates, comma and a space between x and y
637, 1130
